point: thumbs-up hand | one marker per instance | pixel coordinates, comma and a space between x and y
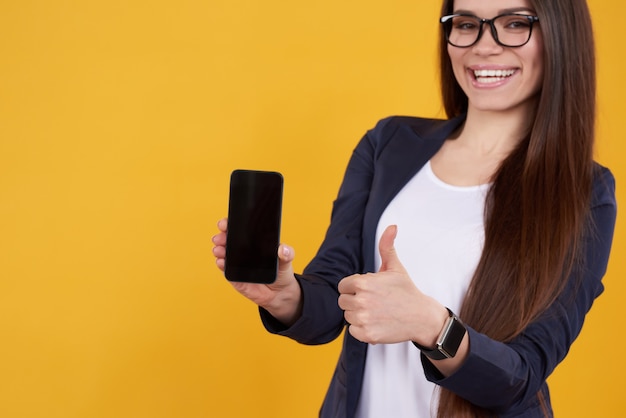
386, 307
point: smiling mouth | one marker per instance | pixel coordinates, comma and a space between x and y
492, 76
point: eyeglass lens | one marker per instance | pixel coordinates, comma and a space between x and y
510, 30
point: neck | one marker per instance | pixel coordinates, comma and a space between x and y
490, 133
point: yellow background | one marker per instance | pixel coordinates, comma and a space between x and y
120, 121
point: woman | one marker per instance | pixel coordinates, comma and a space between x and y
498, 215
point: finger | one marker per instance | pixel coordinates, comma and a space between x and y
359, 334
388, 255
345, 303
219, 239
354, 332
286, 255
352, 308
347, 285
220, 263
222, 224
219, 252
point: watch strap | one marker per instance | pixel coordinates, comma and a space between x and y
448, 341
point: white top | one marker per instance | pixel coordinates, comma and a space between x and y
439, 242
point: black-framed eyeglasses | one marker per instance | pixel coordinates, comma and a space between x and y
509, 29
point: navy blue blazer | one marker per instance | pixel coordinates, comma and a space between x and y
503, 378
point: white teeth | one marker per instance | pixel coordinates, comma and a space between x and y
492, 76
489, 80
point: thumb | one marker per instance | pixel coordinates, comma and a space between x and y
388, 256
286, 255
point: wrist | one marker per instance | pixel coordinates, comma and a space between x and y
286, 306
437, 321
448, 340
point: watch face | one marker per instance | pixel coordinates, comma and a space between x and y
451, 338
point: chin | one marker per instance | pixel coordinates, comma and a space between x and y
493, 105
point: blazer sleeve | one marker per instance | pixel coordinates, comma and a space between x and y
504, 376
340, 254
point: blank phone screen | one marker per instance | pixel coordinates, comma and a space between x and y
254, 216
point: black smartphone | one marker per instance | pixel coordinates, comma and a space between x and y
254, 216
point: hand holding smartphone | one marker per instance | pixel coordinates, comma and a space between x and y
254, 217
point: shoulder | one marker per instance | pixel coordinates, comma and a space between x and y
403, 129
410, 125
603, 186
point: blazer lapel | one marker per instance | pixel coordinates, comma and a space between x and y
410, 146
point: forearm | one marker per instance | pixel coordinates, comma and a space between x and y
286, 307
319, 321
449, 366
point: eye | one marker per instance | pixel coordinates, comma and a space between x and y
465, 23
518, 24
514, 22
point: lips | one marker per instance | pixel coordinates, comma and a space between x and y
492, 76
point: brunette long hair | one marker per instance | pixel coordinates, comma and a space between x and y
537, 205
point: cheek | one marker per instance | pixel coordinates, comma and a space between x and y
457, 64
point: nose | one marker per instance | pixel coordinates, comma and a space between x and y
487, 41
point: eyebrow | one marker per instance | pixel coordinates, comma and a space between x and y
500, 12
